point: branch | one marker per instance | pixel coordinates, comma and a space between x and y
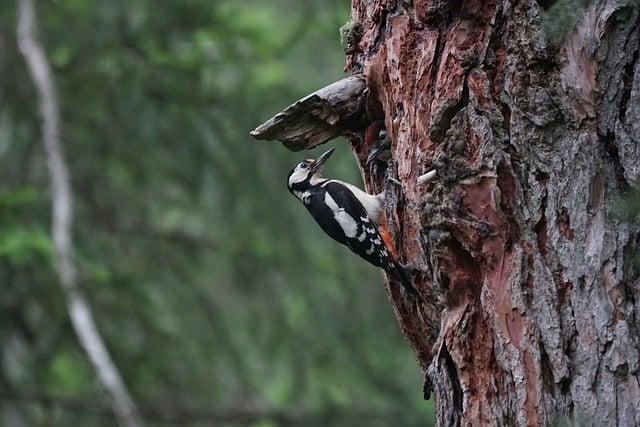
330, 112
181, 414
62, 215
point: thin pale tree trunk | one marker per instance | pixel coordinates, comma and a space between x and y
62, 218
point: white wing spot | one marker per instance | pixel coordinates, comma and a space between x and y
306, 197
347, 223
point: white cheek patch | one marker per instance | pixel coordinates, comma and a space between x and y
297, 176
347, 223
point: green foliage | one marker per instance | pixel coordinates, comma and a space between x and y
211, 285
25, 246
627, 207
562, 17
559, 21
69, 373
22, 245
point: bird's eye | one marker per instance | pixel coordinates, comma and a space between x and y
303, 165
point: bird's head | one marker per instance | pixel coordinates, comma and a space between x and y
381, 148
307, 173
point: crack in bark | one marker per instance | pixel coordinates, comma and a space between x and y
381, 31
541, 229
627, 82
444, 379
612, 155
438, 128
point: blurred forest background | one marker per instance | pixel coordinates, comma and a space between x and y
219, 298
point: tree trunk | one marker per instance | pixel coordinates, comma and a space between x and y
530, 313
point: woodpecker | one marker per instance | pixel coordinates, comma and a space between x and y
348, 215
381, 150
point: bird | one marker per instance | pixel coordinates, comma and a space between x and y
380, 152
348, 215
381, 147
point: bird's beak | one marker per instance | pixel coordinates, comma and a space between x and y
317, 163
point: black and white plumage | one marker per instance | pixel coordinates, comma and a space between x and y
348, 215
381, 149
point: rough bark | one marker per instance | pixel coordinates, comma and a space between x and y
525, 268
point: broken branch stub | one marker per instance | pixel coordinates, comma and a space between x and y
330, 112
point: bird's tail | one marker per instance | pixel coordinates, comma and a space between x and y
395, 270
399, 274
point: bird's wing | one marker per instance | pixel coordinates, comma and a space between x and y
363, 236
